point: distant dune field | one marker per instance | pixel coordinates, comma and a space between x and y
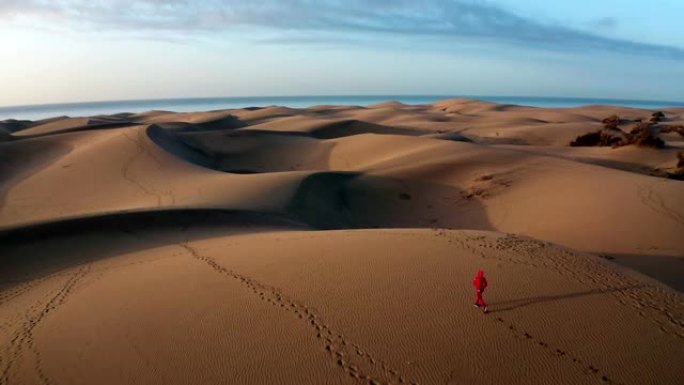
337, 245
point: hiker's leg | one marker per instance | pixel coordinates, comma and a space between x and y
480, 301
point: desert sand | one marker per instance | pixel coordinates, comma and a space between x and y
337, 245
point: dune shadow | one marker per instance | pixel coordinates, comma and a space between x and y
228, 122
351, 127
168, 141
20, 159
667, 269
63, 244
240, 151
355, 200
496, 307
14, 125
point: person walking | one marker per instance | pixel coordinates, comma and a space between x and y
480, 283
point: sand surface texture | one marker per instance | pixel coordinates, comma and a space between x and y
337, 245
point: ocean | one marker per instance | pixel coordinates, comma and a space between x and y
35, 112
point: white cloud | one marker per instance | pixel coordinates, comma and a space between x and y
289, 20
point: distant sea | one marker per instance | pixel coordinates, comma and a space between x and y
34, 112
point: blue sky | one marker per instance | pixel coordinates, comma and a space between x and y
79, 50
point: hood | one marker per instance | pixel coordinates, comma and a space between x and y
480, 273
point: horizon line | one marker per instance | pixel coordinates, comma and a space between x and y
445, 96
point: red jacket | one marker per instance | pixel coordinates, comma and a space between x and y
480, 282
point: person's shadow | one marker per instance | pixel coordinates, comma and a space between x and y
518, 303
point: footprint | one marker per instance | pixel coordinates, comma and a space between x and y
334, 343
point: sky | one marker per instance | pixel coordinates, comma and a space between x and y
57, 51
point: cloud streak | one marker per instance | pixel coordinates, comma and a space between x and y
293, 21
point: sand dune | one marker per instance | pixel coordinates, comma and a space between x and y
73, 124
336, 244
